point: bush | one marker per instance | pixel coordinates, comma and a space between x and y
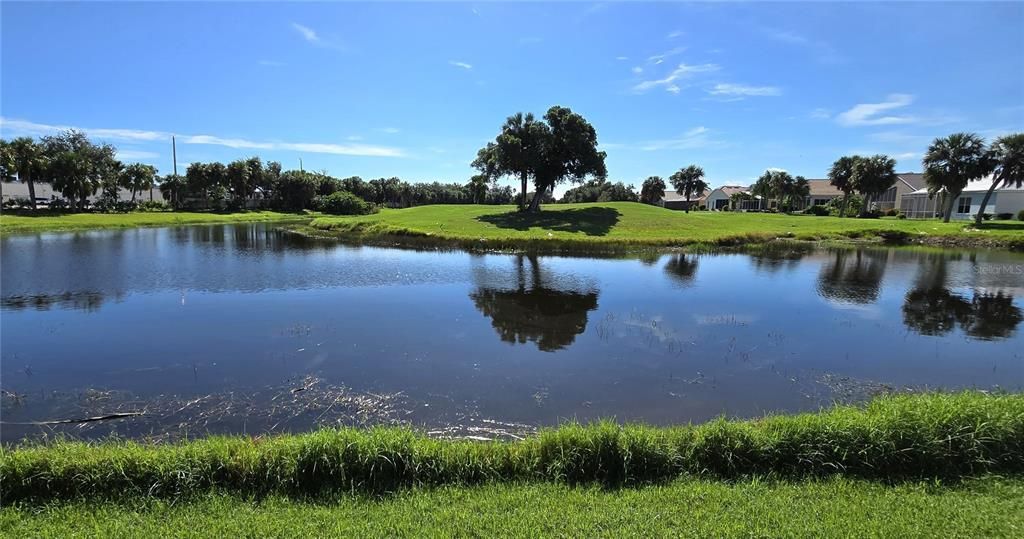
113, 205
818, 210
984, 216
343, 203
1020, 215
1004, 216
892, 212
154, 205
702, 207
59, 204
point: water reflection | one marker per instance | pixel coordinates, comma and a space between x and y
79, 301
529, 308
682, 268
772, 259
852, 276
932, 308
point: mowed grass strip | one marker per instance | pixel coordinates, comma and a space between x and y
48, 222
892, 437
629, 223
989, 507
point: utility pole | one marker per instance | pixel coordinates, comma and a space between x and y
300, 165
174, 152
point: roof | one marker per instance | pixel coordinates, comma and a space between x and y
980, 185
822, 188
671, 195
914, 179
730, 190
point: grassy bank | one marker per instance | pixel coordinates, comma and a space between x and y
989, 507
935, 435
627, 224
50, 222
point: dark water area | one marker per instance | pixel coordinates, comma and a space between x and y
245, 328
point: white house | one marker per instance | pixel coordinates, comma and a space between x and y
1005, 200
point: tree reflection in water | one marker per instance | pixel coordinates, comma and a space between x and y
853, 276
682, 268
531, 310
930, 308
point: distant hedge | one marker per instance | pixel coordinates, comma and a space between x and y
343, 203
932, 435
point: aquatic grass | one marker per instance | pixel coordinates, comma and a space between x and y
890, 438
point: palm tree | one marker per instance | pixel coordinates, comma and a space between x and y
518, 152
951, 163
841, 177
137, 178
799, 188
27, 157
689, 181
172, 187
1008, 153
873, 176
478, 188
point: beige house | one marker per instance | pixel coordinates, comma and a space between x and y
675, 201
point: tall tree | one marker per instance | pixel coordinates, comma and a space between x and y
873, 176
27, 159
477, 187
688, 182
516, 151
951, 163
1008, 154
569, 152
840, 175
796, 189
77, 167
652, 190
173, 187
239, 179
773, 184
137, 178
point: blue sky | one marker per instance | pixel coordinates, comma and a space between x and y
413, 90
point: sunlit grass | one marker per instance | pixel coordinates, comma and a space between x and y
45, 222
627, 223
836, 507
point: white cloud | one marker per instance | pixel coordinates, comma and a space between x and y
872, 113
463, 65
682, 71
744, 90
698, 137
389, 130
821, 114
907, 156
32, 129
620, 58
638, 70
353, 137
307, 33
21, 127
675, 34
128, 155
825, 52
659, 58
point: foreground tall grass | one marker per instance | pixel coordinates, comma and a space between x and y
894, 437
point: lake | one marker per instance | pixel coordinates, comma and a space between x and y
249, 329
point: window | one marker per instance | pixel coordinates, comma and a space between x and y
963, 205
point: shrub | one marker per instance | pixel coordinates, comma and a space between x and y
702, 207
892, 212
1020, 215
343, 203
154, 205
1004, 216
113, 205
59, 204
818, 210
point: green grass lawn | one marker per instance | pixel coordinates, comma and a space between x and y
45, 221
628, 223
988, 507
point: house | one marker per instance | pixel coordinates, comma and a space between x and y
675, 201
1007, 200
821, 192
721, 198
906, 183
45, 193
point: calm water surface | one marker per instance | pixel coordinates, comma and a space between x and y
245, 328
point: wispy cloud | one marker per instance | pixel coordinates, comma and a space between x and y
389, 130
129, 155
698, 137
463, 65
22, 127
820, 114
823, 51
659, 58
307, 33
675, 34
726, 89
874, 113
638, 70
620, 58
669, 81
